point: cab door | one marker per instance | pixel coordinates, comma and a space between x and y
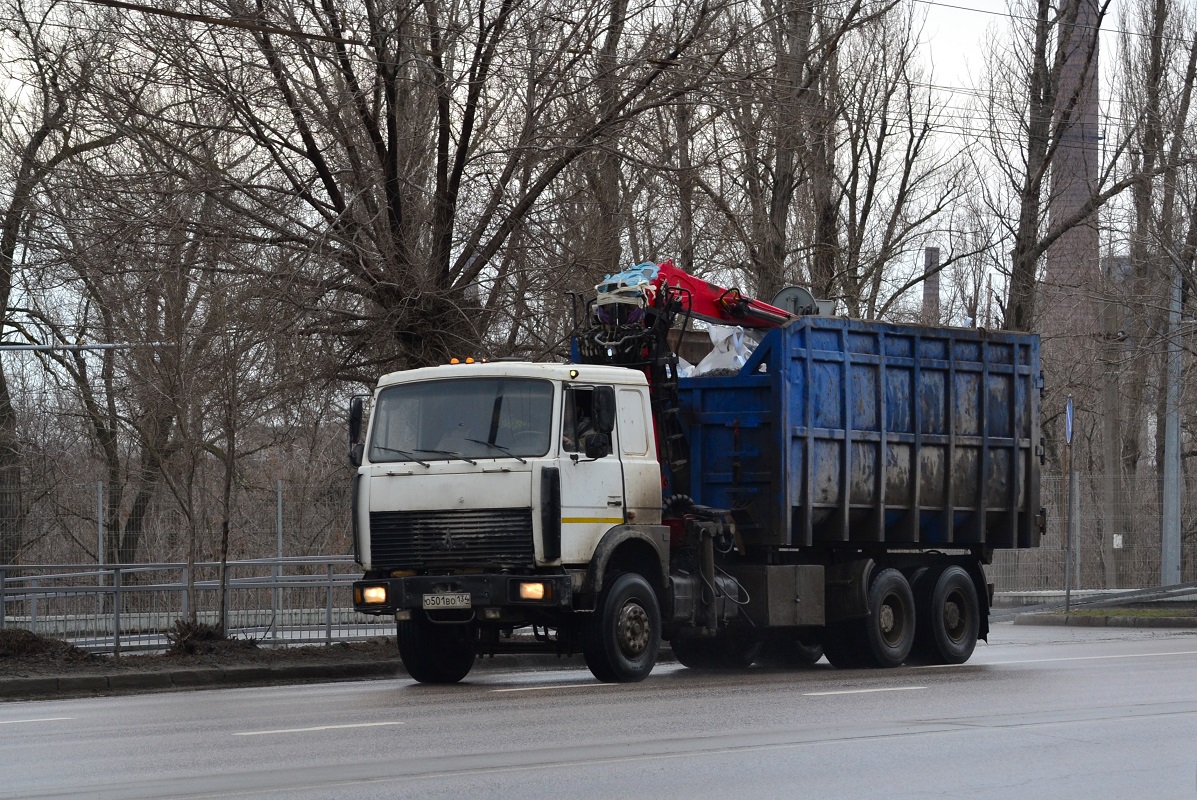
592, 494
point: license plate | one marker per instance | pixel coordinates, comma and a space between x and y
434, 602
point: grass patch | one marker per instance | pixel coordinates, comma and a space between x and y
1131, 612
190, 638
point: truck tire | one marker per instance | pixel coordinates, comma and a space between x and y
882, 639
791, 650
435, 653
948, 616
889, 628
621, 642
727, 652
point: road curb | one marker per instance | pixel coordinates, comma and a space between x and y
1105, 621
39, 688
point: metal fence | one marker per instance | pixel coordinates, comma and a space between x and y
1133, 522
127, 608
296, 600
67, 523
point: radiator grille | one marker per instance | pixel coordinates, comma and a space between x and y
476, 537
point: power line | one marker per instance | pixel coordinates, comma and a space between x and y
226, 22
1028, 18
42, 348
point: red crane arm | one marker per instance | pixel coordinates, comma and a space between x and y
718, 304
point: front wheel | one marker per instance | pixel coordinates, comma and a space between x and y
436, 653
622, 640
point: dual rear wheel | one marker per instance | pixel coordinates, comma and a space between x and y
936, 620
949, 617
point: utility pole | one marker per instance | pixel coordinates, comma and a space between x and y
1170, 519
1073, 513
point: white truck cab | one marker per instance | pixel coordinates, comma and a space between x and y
473, 442
492, 496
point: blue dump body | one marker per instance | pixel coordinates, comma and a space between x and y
864, 434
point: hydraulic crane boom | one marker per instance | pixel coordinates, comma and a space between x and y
718, 304
663, 288
629, 322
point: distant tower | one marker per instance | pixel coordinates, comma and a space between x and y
1069, 291
930, 314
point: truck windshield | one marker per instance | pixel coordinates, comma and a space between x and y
463, 418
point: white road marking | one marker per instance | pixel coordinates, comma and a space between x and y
556, 686
1064, 658
23, 721
318, 728
864, 691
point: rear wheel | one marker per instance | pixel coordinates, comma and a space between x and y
436, 653
622, 640
948, 614
889, 628
883, 638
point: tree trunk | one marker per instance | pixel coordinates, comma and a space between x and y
11, 515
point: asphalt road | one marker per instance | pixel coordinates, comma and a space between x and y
1038, 713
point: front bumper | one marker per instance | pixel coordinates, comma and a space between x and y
486, 591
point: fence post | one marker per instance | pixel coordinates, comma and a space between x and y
33, 605
100, 531
116, 612
186, 583
328, 603
3, 575
278, 565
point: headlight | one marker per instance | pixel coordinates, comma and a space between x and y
374, 595
533, 590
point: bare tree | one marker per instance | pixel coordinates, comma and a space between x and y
406, 149
46, 74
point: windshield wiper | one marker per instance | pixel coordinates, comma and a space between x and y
498, 447
452, 453
404, 453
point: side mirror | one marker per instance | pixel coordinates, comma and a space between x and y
604, 410
597, 445
356, 413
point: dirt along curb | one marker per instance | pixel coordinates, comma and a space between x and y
31, 688
1094, 620
136, 681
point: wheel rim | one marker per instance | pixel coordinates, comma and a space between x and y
632, 631
954, 622
891, 621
